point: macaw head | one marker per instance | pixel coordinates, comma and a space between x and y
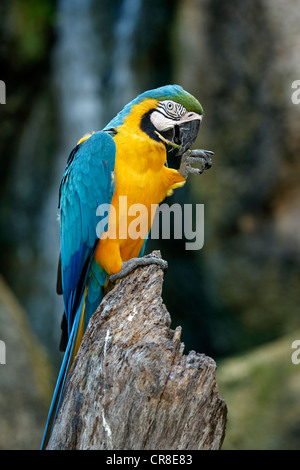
168, 114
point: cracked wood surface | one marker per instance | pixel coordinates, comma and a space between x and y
131, 386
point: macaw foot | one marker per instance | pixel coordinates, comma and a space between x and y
195, 156
129, 266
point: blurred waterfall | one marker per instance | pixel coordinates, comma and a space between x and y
77, 71
123, 79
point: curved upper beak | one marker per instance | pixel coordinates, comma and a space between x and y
186, 131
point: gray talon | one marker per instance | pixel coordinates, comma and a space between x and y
195, 156
129, 266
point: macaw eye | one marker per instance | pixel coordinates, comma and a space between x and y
171, 110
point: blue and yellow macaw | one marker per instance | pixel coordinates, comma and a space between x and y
127, 158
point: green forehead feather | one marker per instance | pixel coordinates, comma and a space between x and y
177, 94
168, 92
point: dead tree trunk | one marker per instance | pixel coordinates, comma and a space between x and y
131, 387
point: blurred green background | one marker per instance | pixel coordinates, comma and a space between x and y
69, 66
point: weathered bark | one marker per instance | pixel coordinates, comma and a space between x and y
131, 387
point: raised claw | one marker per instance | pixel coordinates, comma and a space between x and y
195, 156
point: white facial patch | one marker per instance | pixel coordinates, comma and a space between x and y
168, 114
160, 122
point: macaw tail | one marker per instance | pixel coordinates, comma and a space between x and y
93, 293
70, 353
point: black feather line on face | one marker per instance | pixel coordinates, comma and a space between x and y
174, 117
176, 112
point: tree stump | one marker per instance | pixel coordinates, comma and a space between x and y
131, 387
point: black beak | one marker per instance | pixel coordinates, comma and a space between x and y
186, 134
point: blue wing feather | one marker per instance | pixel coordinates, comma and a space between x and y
87, 183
